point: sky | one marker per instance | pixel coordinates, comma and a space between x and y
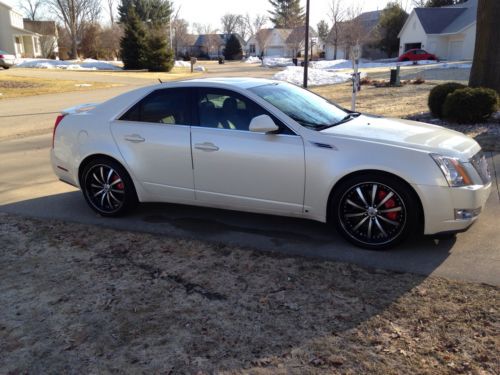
210, 11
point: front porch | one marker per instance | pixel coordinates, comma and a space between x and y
27, 45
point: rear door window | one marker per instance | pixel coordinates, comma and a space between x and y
164, 106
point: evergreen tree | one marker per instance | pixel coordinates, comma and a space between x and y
287, 13
323, 30
154, 12
133, 42
391, 22
157, 57
233, 50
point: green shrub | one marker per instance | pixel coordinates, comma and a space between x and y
438, 96
470, 105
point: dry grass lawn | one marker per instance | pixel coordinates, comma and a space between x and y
14, 86
82, 299
401, 101
174, 75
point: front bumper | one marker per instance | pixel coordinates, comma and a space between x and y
441, 204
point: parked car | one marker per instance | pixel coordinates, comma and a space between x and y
271, 147
6, 60
416, 54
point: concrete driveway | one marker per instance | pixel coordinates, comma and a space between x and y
28, 187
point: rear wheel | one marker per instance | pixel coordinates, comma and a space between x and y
107, 187
374, 212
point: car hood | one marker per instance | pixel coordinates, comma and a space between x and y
406, 133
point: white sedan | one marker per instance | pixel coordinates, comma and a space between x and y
270, 147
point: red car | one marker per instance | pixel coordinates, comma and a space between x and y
416, 54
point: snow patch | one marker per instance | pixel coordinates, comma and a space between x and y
87, 64
333, 65
182, 64
253, 60
272, 62
316, 77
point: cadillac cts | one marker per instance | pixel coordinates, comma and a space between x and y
271, 147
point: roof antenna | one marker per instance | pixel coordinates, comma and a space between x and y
160, 80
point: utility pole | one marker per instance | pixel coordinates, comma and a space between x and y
306, 52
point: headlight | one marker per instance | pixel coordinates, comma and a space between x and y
453, 170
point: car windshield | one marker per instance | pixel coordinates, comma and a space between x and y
308, 109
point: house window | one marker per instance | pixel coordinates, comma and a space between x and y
252, 48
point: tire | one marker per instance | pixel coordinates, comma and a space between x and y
375, 211
108, 188
406, 59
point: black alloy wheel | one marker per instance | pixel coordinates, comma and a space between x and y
375, 212
107, 187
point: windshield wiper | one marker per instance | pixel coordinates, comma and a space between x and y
348, 117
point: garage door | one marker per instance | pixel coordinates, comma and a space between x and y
456, 49
275, 51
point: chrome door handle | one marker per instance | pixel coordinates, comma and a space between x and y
134, 138
206, 146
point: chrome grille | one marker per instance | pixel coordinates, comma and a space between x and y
481, 165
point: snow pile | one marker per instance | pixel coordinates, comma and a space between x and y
316, 77
253, 60
333, 65
182, 64
272, 62
199, 68
87, 64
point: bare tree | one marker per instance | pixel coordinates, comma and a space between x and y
337, 14
352, 29
202, 28
256, 23
111, 10
110, 41
75, 14
181, 37
262, 37
31, 8
230, 22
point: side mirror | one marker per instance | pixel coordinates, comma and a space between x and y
262, 124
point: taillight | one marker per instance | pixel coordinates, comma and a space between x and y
58, 120
2, 56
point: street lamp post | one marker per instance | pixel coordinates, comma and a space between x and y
306, 52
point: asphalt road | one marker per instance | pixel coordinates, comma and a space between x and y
28, 187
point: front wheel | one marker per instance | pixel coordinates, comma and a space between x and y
107, 187
375, 211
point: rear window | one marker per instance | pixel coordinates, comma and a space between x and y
165, 106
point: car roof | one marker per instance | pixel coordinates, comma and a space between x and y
240, 82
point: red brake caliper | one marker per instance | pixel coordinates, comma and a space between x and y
119, 185
391, 203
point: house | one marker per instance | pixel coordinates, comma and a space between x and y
48, 36
280, 42
14, 38
212, 45
448, 32
360, 30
